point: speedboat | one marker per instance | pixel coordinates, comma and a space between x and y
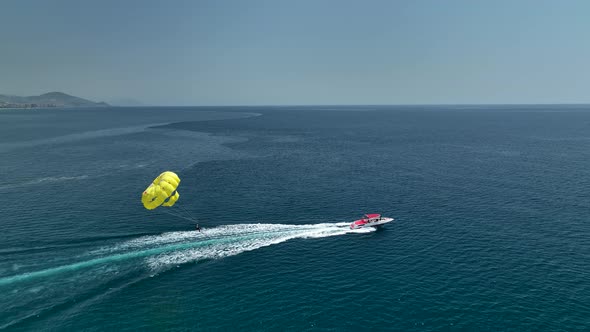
370, 220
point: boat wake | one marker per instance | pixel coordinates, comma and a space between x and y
143, 257
174, 248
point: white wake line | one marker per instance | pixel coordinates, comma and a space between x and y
233, 240
161, 252
43, 180
230, 230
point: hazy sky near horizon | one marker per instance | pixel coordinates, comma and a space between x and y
278, 52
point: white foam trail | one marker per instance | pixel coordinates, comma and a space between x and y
235, 239
58, 179
224, 231
152, 254
48, 179
160, 252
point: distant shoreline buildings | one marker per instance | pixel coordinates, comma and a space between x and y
12, 105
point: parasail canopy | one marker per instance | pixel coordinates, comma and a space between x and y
162, 191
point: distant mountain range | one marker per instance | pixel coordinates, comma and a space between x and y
51, 99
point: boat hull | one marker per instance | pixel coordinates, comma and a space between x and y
363, 224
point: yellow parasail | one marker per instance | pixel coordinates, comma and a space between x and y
162, 192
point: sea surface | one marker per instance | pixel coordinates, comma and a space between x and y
491, 208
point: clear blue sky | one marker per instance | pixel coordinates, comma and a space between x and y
274, 52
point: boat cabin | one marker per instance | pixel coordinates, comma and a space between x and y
369, 218
372, 217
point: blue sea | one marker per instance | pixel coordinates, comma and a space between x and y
491, 208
